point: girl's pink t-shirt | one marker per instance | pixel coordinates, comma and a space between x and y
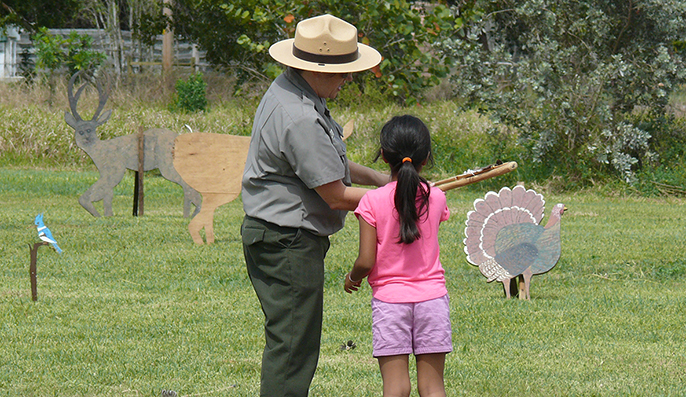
404, 273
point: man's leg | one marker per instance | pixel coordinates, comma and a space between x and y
286, 268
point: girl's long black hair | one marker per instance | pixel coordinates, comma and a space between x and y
406, 145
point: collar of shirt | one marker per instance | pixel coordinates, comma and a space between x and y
319, 104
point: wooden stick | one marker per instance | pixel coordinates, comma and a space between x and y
477, 176
469, 173
33, 270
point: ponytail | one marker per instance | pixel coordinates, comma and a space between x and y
411, 201
406, 145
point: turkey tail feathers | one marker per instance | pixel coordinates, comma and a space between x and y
531, 202
491, 214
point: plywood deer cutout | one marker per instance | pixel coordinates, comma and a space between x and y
213, 164
114, 156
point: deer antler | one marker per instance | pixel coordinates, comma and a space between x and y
102, 99
74, 99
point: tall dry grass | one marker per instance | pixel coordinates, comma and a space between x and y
33, 132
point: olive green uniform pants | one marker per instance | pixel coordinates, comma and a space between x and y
286, 268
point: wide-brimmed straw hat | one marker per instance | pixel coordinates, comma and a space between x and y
325, 44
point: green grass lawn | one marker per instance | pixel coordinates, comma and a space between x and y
133, 307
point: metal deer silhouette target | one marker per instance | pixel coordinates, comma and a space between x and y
114, 156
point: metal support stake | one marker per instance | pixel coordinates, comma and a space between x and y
138, 193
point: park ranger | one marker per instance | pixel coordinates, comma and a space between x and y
296, 192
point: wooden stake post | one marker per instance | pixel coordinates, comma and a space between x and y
33, 270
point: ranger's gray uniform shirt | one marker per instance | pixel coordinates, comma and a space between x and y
295, 147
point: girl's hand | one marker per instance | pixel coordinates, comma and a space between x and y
351, 285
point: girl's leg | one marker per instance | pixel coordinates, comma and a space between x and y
395, 375
430, 375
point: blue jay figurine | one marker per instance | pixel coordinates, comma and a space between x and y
45, 234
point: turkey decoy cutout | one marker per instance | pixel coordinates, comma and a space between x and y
504, 238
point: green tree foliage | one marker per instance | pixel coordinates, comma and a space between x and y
79, 53
147, 22
32, 14
139, 16
238, 34
221, 29
49, 53
585, 82
75, 52
54, 52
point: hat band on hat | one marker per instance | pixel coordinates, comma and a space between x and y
324, 58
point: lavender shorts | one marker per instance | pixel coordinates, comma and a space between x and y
411, 328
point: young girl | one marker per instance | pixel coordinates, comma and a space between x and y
399, 254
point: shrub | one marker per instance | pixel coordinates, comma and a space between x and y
191, 94
569, 74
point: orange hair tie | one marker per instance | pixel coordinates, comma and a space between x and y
407, 159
